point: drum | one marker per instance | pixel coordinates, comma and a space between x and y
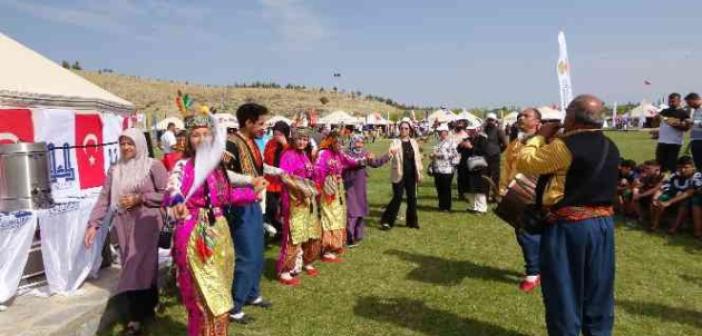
520, 194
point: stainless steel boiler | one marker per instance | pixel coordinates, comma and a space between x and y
24, 177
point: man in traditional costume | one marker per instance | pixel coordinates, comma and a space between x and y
578, 175
202, 248
246, 221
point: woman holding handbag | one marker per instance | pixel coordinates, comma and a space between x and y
135, 187
473, 149
405, 173
444, 159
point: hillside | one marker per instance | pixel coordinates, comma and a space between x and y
156, 97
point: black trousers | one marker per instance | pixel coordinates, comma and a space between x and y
493, 170
142, 303
696, 149
442, 182
273, 210
408, 185
461, 180
667, 155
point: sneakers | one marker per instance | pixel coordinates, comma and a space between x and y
312, 272
240, 318
385, 226
260, 302
528, 285
332, 260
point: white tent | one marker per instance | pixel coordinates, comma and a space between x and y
163, 124
550, 113
338, 117
441, 116
273, 120
31, 80
471, 118
510, 118
644, 110
227, 120
376, 119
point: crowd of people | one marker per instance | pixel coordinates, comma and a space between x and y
307, 187
670, 184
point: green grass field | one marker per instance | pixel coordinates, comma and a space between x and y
458, 275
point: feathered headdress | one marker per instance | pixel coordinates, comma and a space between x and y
194, 115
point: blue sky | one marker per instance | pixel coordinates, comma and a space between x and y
441, 52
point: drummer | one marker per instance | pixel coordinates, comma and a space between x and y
529, 121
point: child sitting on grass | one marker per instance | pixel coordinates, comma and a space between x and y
678, 190
649, 182
627, 181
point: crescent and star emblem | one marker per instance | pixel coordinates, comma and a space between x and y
90, 137
8, 138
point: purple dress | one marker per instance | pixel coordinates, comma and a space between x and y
137, 229
356, 185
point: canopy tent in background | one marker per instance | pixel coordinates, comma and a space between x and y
441, 116
227, 120
163, 124
337, 118
376, 119
80, 122
473, 121
273, 120
550, 113
510, 118
644, 110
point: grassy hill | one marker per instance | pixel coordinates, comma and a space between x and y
156, 97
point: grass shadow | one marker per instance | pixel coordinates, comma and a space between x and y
440, 271
683, 238
662, 312
697, 281
269, 269
416, 315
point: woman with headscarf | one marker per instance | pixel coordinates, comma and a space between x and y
203, 251
134, 190
331, 163
302, 230
406, 174
356, 185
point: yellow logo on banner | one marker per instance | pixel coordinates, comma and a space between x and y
562, 67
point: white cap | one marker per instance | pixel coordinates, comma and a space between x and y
491, 115
442, 127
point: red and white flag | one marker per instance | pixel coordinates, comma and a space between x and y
111, 129
90, 155
16, 126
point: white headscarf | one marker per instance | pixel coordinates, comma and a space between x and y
129, 175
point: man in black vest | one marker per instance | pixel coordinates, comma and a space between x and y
577, 244
496, 144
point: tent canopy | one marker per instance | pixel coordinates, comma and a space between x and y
338, 117
31, 80
471, 118
163, 124
510, 118
550, 113
228, 120
441, 116
376, 119
273, 120
644, 110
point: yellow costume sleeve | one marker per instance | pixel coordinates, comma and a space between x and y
539, 158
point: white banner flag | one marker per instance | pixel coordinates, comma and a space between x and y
614, 116
563, 70
58, 131
16, 235
111, 129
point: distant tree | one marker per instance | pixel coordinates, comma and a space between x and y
324, 100
65, 64
76, 66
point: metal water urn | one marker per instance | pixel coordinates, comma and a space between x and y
24, 177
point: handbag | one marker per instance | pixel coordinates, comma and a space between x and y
476, 162
165, 235
430, 169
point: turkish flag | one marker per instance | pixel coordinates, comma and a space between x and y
89, 152
16, 126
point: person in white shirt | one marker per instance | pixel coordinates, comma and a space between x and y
168, 139
674, 123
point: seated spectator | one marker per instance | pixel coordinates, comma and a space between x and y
648, 183
677, 190
627, 181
